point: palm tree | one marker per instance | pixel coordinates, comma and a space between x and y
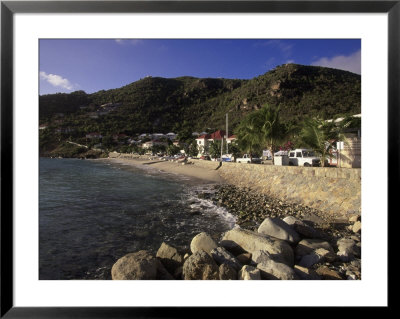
321, 136
249, 134
272, 130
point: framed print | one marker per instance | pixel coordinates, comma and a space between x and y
118, 123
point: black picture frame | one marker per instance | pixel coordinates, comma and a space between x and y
9, 8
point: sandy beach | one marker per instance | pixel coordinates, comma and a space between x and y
189, 170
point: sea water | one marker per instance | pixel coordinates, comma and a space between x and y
92, 212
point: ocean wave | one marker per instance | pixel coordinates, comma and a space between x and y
207, 206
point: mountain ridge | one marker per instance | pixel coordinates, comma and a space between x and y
155, 104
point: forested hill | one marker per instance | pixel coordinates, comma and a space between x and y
155, 104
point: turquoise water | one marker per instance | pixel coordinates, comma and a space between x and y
92, 212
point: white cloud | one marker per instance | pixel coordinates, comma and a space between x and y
289, 61
350, 62
129, 41
56, 80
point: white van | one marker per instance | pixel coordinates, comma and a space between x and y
303, 157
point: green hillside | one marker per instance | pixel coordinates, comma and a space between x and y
155, 104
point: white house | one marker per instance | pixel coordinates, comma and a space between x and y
204, 140
150, 144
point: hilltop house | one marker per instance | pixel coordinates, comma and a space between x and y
204, 140
150, 144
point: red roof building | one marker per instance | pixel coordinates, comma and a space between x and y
204, 140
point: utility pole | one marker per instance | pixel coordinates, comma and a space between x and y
222, 146
227, 135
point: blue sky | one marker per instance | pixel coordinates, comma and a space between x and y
93, 65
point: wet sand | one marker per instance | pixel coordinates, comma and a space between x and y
188, 170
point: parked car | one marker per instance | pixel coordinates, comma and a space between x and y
303, 157
227, 158
247, 159
205, 158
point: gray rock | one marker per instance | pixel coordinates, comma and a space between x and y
273, 270
135, 266
222, 256
251, 242
244, 258
307, 246
277, 228
200, 266
227, 273
261, 256
305, 273
170, 257
249, 273
317, 256
301, 227
202, 241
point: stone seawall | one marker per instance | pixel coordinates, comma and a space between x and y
332, 190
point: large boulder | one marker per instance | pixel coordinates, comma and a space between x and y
249, 273
260, 256
252, 242
301, 227
277, 228
227, 273
200, 266
222, 256
317, 256
202, 241
273, 270
170, 257
307, 246
135, 266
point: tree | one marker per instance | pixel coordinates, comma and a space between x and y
250, 137
233, 149
215, 149
273, 130
193, 150
172, 150
321, 136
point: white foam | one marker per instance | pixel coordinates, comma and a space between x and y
209, 207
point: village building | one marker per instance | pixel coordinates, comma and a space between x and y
204, 140
150, 144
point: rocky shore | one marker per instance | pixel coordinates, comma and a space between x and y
272, 240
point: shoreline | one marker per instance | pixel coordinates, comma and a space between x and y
197, 174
